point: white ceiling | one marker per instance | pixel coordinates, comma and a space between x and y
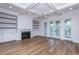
37, 9
42, 7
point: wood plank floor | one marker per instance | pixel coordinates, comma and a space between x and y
39, 46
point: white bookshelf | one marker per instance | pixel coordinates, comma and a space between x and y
35, 24
8, 21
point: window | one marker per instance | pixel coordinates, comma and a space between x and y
57, 28
45, 28
51, 28
68, 28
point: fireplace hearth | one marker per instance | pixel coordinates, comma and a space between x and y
25, 35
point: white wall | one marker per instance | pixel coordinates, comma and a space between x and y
24, 22
74, 15
36, 32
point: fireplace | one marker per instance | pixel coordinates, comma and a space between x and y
25, 35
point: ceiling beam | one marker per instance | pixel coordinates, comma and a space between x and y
32, 6
52, 8
29, 8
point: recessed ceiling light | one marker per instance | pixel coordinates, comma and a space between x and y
10, 7
71, 8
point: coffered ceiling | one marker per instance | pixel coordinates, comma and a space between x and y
42, 7
38, 9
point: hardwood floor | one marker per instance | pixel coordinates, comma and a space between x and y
39, 46
63, 47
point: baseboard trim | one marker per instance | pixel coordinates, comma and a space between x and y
7, 42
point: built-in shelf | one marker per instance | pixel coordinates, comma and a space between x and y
7, 18
8, 21
8, 27
35, 24
7, 14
